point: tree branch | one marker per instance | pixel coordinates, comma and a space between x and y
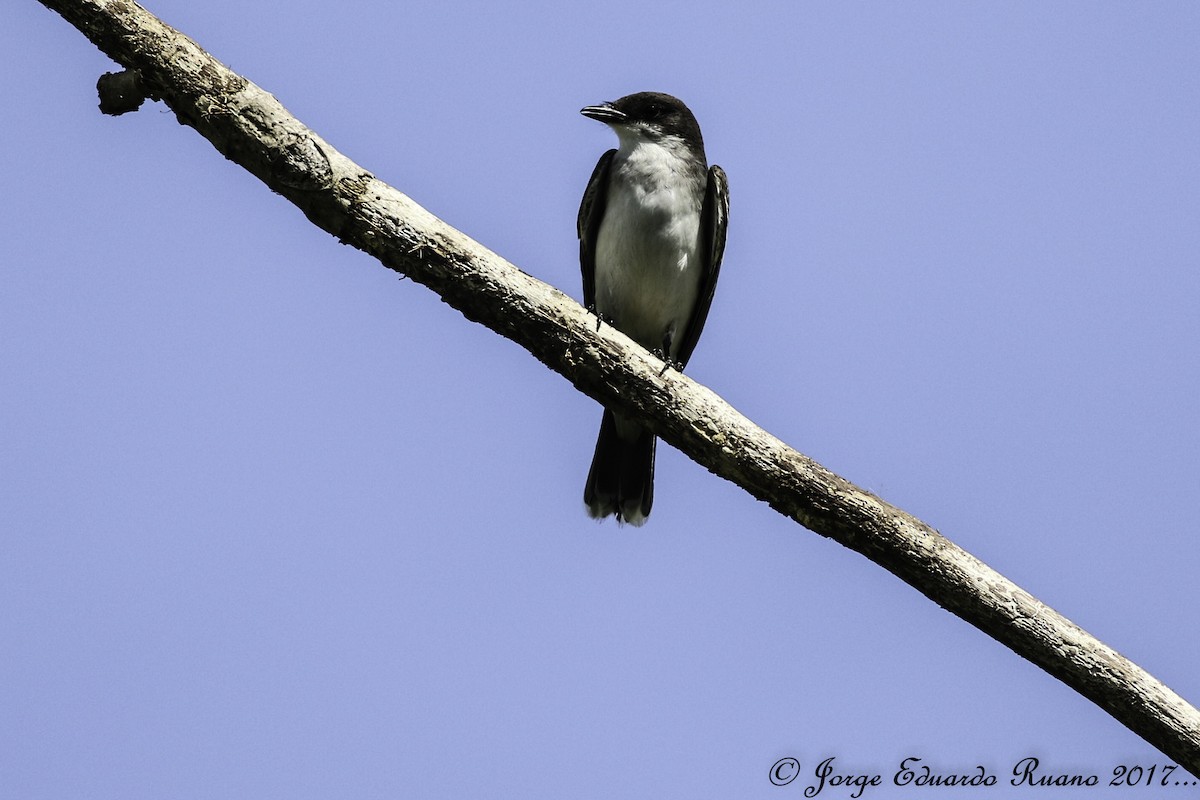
248, 126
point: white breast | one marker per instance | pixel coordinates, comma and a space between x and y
647, 251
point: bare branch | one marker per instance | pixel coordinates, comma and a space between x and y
248, 126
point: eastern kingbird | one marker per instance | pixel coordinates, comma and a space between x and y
651, 236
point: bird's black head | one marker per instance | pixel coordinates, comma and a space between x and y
652, 114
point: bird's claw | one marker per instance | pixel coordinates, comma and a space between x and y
668, 362
600, 318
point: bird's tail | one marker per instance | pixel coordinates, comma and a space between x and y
621, 480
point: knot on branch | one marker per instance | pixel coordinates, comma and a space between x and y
121, 92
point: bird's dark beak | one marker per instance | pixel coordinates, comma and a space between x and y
603, 113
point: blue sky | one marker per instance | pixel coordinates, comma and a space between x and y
277, 524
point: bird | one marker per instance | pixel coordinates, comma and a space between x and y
651, 238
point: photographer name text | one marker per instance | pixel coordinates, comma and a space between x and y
828, 778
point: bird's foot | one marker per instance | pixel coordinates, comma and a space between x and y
600, 318
668, 362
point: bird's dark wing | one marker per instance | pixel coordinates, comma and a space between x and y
591, 212
714, 219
